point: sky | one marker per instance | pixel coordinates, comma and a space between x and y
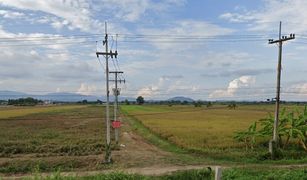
208, 50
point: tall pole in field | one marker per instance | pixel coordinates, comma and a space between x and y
274, 142
116, 94
106, 54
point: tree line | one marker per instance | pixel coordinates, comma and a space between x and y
29, 101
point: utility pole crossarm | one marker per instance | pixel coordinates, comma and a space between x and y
120, 81
119, 72
283, 38
117, 80
107, 54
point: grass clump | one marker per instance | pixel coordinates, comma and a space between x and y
256, 174
201, 174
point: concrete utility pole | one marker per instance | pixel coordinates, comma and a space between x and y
218, 173
274, 142
116, 92
106, 54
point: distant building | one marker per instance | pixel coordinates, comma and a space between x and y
47, 102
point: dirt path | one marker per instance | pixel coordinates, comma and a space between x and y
141, 157
136, 151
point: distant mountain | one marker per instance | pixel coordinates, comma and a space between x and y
60, 96
181, 99
66, 97
5, 95
15, 93
123, 98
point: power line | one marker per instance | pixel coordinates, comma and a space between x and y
136, 38
47, 44
202, 89
129, 36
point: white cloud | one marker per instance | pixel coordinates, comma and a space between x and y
152, 90
58, 24
128, 10
291, 12
43, 67
295, 91
86, 89
76, 13
149, 91
47, 41
185, 28
4, 34
81, 14
33, 53
11, 14
168, 86
58, 90
224, 59
134, 10
237, 18
300, 89
233, 87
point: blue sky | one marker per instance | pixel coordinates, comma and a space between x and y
208, 50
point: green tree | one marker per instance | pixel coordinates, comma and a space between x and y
209, 104
127, 102
198, 104
140, 100
29, 101
232, 106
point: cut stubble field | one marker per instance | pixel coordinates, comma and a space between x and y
49, 137
68, 138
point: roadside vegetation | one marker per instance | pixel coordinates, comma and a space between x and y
292, 130
201, 174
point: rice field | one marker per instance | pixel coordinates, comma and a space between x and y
198, 127
14, 111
